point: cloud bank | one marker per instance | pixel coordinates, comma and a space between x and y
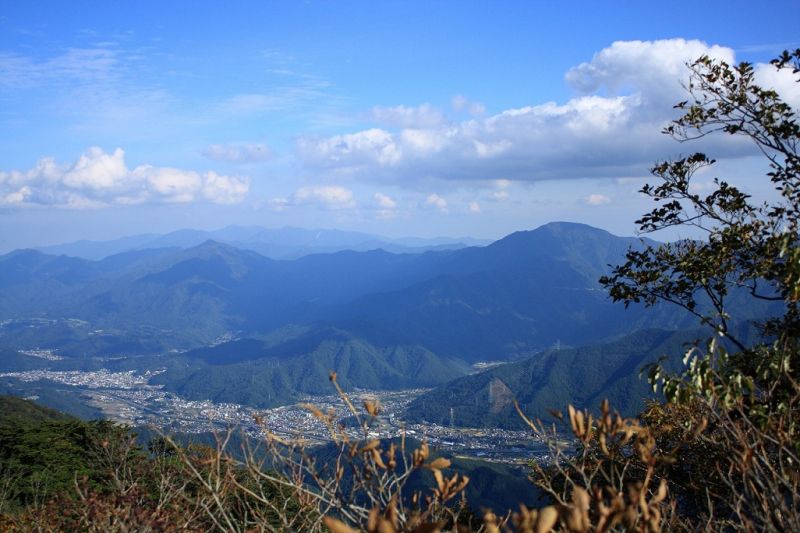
328, 196
612, 127
100, 179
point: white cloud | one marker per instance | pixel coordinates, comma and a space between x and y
279, 203
434, 200
238, 153
462, 103
365, 148
500, 196
782, 81
384, 202
16, 197
99, 179
97, 170
328, 196
611, 128
386, 206
655, 69
474, 207
172, 184
423, 116
224, 189
598, 199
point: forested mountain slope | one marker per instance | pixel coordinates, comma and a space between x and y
550, 380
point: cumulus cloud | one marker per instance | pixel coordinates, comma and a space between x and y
474, 207
328, 196
423, 116
598, 199
238, 153
461, 103
610, 128
434, 200
99, 179
384, 202
386, 207
783, 82
500, 194
224, 189
654, 69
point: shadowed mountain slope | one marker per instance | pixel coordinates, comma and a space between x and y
550, 380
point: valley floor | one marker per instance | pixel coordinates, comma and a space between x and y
127, 397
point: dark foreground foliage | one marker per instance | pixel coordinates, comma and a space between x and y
62, 474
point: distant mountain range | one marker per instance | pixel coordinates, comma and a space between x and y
521, 293
278, 243
232, 324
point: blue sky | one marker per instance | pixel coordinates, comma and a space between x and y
398, 118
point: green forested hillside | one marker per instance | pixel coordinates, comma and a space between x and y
63, 474
43, 452
582, 377
15, 410
263, 374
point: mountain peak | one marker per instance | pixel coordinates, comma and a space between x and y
565, 226
212, 247
560, 234
24, 253
212, 250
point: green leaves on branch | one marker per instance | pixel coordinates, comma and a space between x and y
749, 249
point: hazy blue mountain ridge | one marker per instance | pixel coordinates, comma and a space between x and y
518, 294
381, 320
278, 243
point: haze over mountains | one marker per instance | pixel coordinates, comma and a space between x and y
230, 324
278, 243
